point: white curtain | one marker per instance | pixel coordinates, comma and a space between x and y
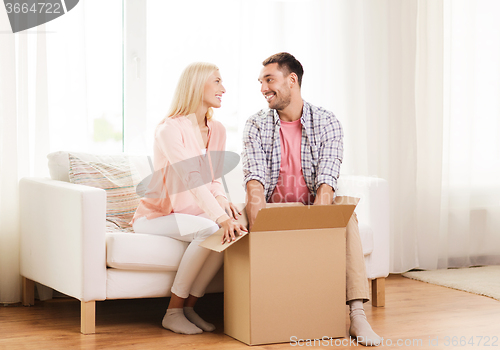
471, 156
9, 247
23, 138
421, 109
42, 109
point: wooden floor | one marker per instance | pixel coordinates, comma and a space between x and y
417, 314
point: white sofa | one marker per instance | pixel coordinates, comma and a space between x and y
67, 245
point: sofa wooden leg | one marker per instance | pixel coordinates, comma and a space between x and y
28, 292
378, 292
88, 317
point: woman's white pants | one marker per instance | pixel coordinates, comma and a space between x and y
198, 265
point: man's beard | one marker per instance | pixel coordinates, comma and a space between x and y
282, 102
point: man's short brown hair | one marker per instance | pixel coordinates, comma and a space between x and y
287, 64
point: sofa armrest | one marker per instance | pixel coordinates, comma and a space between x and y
63, 243
372, 210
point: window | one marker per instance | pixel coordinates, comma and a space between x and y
84, 78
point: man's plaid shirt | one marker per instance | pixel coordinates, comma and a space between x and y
321, 148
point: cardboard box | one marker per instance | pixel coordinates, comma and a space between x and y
285, 280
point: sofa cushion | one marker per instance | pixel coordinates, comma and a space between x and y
117, 179
59, 162
137, 251
123, 284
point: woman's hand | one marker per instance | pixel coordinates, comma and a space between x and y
230, 227
228, 207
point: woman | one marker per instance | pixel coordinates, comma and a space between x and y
179, 203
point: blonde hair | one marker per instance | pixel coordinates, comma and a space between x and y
188, 94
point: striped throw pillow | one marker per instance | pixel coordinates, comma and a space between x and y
117, 179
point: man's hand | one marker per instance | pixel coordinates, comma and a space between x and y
324, 195
255, 201
228, 207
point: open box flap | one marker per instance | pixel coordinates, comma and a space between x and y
303, 218
288, 216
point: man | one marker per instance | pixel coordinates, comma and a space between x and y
292, 153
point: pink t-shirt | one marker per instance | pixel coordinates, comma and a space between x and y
291, 185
